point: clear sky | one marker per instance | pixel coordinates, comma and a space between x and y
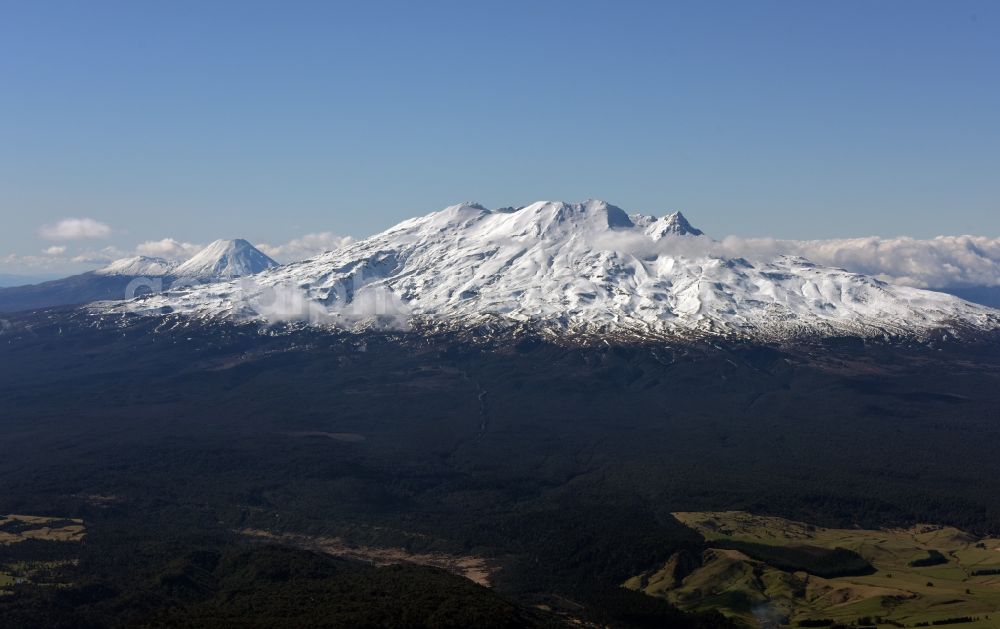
269, 120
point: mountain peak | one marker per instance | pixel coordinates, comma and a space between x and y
558, 219
226, 259
674, 224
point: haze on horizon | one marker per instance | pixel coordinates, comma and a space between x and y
168, 126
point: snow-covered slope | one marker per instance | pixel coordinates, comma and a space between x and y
225, 259
138, 266
572, 268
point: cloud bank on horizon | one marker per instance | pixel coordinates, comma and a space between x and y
935, 263
941, 262
60, 257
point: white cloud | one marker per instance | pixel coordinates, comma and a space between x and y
75, 229
374, 306
942, 262
102, 256
26, 262
305, 247
168, 248
945, 261
60, 258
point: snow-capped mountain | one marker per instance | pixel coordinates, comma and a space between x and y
221, 260
138, 266
225, 259
571, 268
124, 278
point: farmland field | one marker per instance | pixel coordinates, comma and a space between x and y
894, 593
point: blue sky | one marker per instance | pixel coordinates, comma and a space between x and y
270, 120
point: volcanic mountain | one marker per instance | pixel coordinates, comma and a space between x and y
565, 268
225, 259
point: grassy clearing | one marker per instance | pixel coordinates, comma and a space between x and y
897, 593
18, 528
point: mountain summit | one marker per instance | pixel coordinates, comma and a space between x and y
671, 225
225, 259
573, 268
